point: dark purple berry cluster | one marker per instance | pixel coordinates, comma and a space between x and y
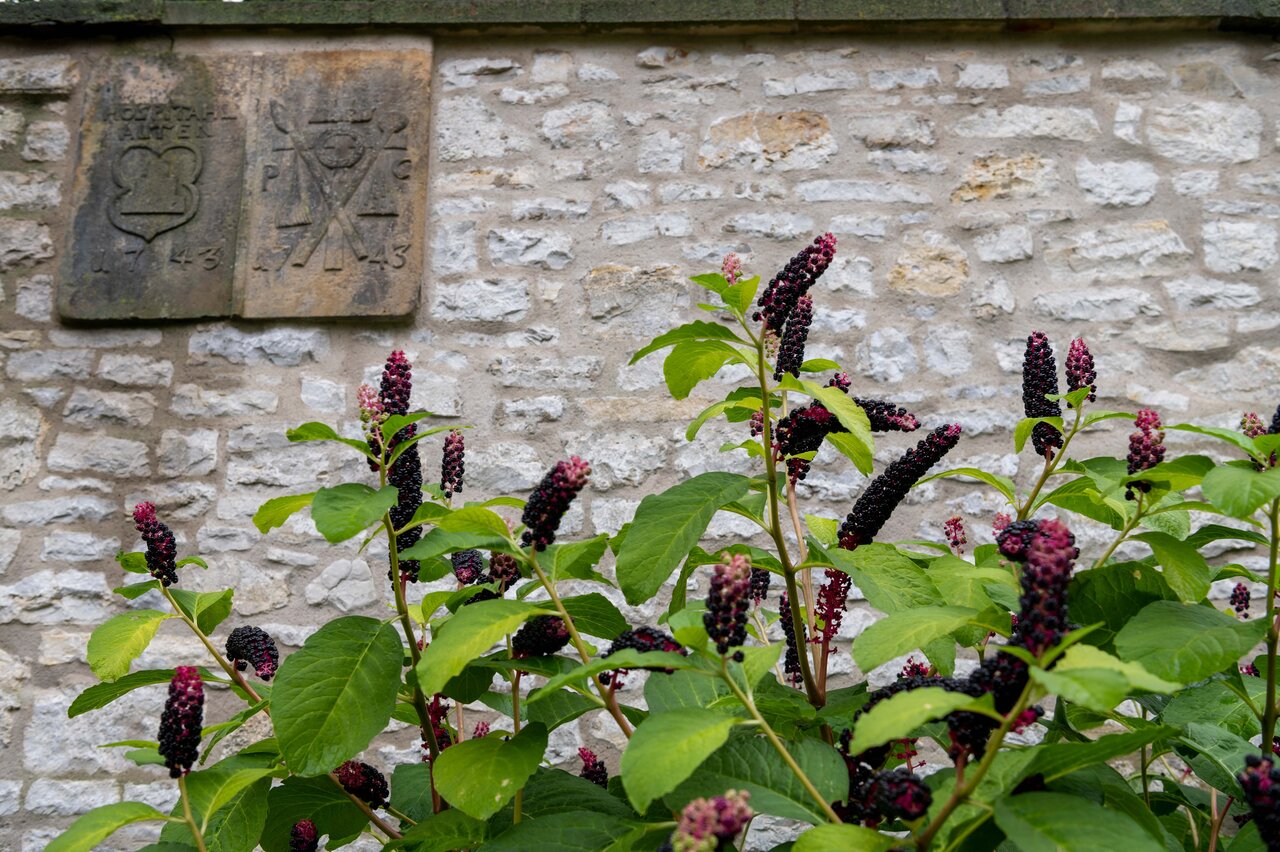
794, 280
1080, 371
593, 768
791, 660
304, 837
1014, 538
1146, 449
832, 598
1274, 428
452, 464
1040, 378
406, 473
1240, 600
1043, 617
887, 417
364, 782
180, 723
726, 615
641, 639
760, 579
886, 491
468, 566
503, 570
438, 713
886, 795
541, 636
802, 431
791, 346
251, 646
161, 549
1261, 782
550, 500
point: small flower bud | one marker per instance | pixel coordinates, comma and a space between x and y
180, 723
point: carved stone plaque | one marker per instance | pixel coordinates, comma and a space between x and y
336, 186
276, 185
157, 191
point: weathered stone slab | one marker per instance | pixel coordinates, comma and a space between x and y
157, 190
336, 187
276, 185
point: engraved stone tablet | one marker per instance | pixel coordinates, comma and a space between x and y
157, 191
336, 186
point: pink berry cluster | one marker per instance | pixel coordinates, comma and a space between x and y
953, 529
551, 499
180, 723
593, 768
1040, 378
1043, 617
706, 824
161, 548
726, 615
731, 268
794, 280
886, 491
364, 782
303, 837
1146, 448
1080, 370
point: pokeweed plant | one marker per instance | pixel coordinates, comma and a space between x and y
1061, 700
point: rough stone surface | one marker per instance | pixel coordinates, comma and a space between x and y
1117, 184
930, 264
1205, 132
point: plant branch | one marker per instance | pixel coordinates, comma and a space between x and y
1273, 636
1124, 533
747, 702
1051, 465
360, 803
515, 729
186, 813
610, 702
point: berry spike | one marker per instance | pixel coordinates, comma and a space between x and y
791, 345
1040, 378
794, 280
726, 615
161, 548
1080, 371
364, 782
550, 500
251, 646
593, 768
452, 464
180, 723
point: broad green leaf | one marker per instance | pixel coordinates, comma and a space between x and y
1185, 570
667, 526
1218, 532
446, 831
750, 763
206, 609
1230, 436
335, 694
235, 827
1025, 426
102, 694
349, 509
316, 431
694, 361
411, 790
1055, 822
665, 750
396, 422
1114, 594
133, 562
890, 581
100, 823
1003, 484
1214, 703
277, 510
1178, 474
858, 444
560, 707
713, 281
963, 584
594, 615
900, 632
1219, 754
899, 715
479, 776
681, 690
853, 449
1186, 642
758, 661
740, 296
696, 330
222, 730
467, 635
569, 831
1094, 688
552, 791
1082, 497
625, 659
473, 519
1081, 656
842, 838
577, 560
439, 542
116, 643
823, 529
216, 788
1239, 490
1059, 759
320, 800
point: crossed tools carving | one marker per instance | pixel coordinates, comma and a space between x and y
335, 194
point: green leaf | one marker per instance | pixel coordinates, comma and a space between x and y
1231, 436
1025, 426
1185, 642
594, 615
439, 542
396, 422
317, 799
681, 690
577, 560
1096, 689
473, 519
479, 776
1081, 656
1003, 484
665, 750
116, 643
552, 791
899, 715
102, 694
627, 658
890, 581
411, 790
1221, 754
559, 708
277, 510
1214, 702
693, 361
1059, 759
1185, 570
206, 609
752, 764
842, 838
1054, 822
347, 510
1239, 490
857, 444
667, 526
713, 281
570, 831
740, 296
100, 823
1178, 474
316, 431
1115, 593
696, 330
823, 529
467, 635
133, 562
446, 831
332, 697
853, 449
900, 632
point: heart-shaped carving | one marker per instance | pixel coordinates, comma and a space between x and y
158, 189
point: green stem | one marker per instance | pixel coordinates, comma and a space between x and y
235, 676
747, 702
515, 729
973, 779
1273, 636
1050, 465
610, 702
1124, 533
186, 813
400, 815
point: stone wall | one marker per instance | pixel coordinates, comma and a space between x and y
1124, 188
